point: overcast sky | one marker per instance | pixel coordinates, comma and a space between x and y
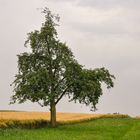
101, 33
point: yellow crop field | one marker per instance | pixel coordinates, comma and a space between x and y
22, 117
46, 116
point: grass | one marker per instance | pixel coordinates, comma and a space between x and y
97, 129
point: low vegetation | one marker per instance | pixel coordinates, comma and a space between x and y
97, 129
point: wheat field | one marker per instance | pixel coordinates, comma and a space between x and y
32, 119
46, 116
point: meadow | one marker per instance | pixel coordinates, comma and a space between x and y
98, 129
71, 126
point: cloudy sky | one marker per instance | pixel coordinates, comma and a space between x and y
101, 33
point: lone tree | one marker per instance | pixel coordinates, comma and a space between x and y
49, 72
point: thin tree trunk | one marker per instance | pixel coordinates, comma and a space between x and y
53, 114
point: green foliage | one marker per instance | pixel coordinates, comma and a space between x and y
87, 87
49, 71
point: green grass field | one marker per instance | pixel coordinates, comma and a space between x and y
98, 129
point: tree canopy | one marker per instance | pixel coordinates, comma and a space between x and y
49, 71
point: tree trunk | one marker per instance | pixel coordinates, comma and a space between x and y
53, 114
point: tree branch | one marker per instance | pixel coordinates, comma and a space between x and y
63, 93
59, 83
40, 104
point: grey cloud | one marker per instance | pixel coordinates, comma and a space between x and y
102, 4
101, 29
107, 4
62, 1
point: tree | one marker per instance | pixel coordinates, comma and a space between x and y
49, 72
